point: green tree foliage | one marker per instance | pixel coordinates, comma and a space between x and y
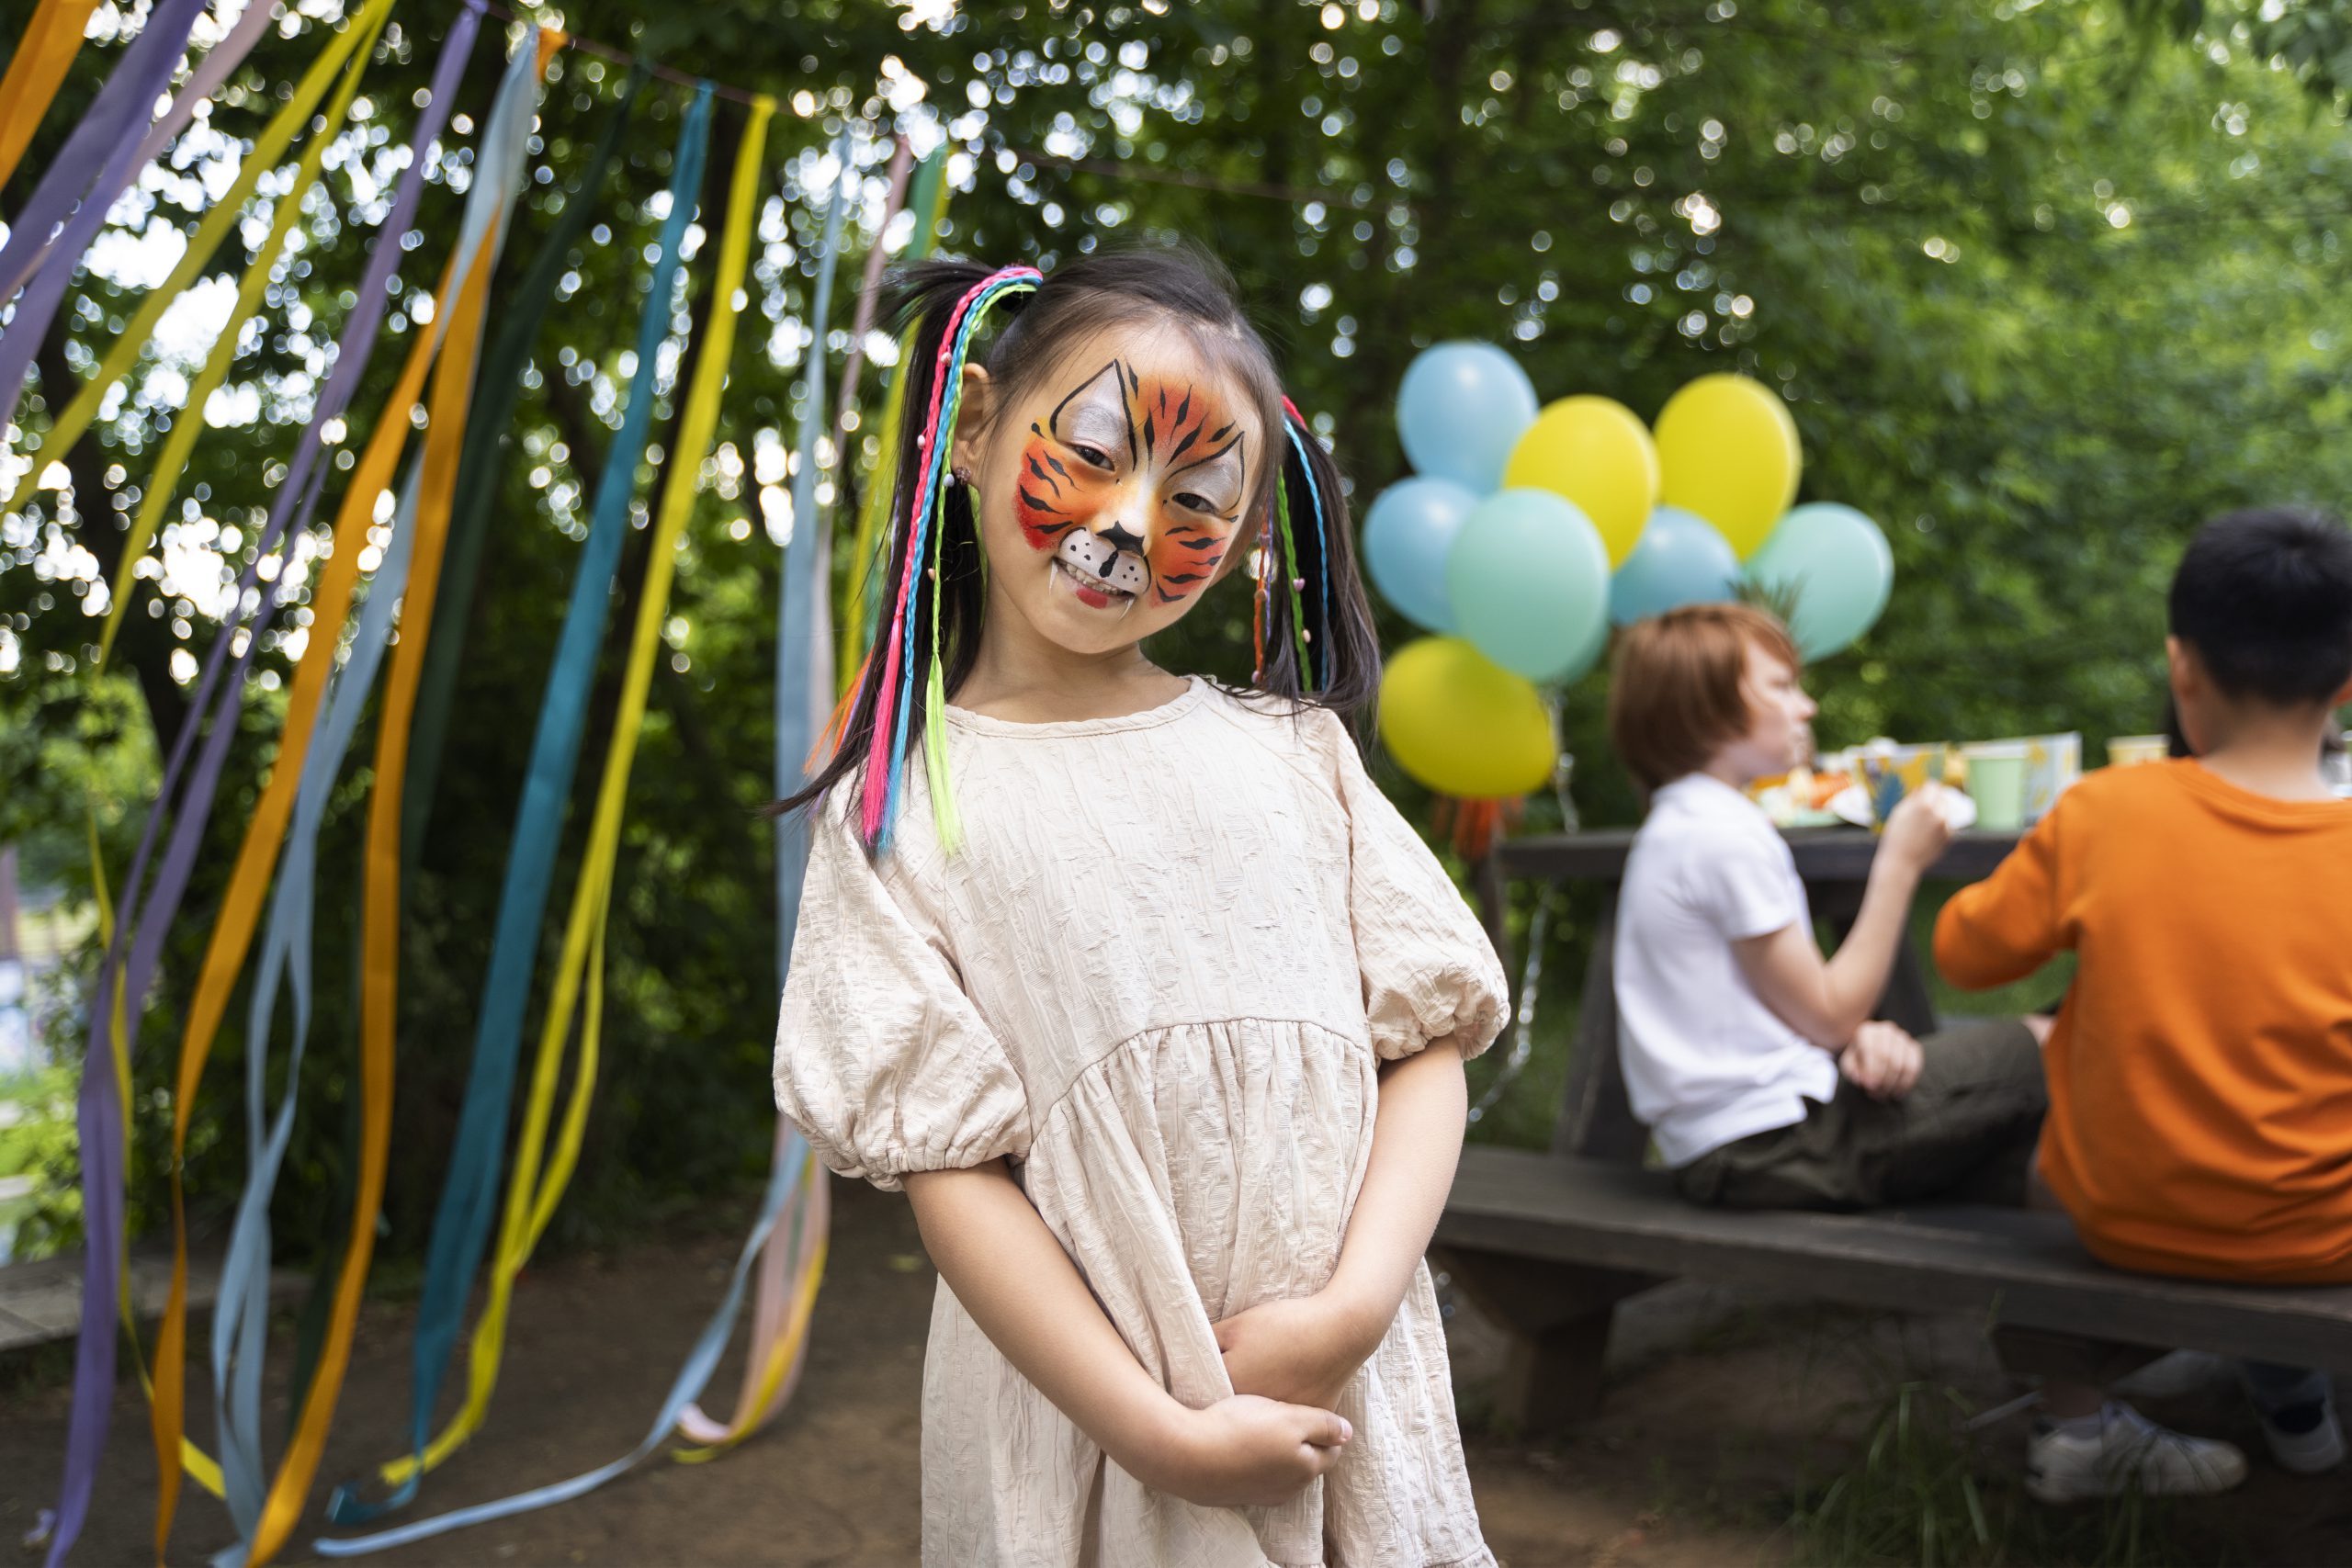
2044, 284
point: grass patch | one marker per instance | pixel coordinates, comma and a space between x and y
1923, 1492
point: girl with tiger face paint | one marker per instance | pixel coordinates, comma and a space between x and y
1111, 494
1148, 998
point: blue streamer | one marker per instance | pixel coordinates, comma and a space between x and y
798, 642
240, 1316
469, 1199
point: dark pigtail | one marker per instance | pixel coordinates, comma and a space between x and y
1317, 642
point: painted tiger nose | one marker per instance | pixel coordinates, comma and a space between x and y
1118, 536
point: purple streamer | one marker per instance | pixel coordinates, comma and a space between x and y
121, 109
206, 79
100, 158
100, 1115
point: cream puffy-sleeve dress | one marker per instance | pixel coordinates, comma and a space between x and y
1159, 976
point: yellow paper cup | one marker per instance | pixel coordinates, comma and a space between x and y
2131, 751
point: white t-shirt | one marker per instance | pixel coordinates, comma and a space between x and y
1706, 1062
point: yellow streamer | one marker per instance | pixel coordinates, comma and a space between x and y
224, 215
379, 928
189, 423
51, 40
532, 1196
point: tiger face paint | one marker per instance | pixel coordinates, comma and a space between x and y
1136, 484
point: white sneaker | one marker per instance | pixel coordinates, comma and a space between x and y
2128, 1452
2310, 1452
2173, 1376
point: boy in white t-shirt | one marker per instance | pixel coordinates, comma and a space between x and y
1754, 1060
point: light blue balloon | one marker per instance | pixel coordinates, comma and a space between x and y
1407, 536
1461, 409
1837, 563
1529, 580
1680, 559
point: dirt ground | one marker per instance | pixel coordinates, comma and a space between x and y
1721, 1412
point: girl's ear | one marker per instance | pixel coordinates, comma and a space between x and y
972, 421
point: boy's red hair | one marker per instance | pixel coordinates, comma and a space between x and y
1674, 690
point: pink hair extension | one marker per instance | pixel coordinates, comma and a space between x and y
892, 673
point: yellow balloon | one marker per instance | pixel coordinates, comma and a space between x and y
1727, 447
1598, 454
1463, 724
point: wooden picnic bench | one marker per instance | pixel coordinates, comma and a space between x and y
40, 1301
1546, 1245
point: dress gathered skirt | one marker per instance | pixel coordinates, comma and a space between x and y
1157, 976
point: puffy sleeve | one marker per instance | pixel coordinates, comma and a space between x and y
881, 1060
1430, 973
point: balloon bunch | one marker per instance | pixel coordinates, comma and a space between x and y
1525, 533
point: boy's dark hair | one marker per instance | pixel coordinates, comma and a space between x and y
2264, 597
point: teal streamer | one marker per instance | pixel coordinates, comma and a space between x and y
469, 1196
481, 463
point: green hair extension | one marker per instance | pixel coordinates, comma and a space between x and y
946, 820
1295, 582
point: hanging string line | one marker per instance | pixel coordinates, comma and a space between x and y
1295, 195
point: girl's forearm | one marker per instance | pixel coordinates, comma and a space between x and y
1416, 1143
995, 1252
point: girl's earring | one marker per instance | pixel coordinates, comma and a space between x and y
962, 477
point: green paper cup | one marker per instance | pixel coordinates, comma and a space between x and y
1996, 783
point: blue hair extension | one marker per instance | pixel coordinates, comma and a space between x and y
929, 500
1322, 543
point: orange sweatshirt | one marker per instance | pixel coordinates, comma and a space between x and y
2200, 1074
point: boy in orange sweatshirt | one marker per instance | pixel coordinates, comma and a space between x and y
2200, 1070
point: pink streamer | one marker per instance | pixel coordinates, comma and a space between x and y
782, 1266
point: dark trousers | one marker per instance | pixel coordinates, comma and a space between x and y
1965, 1133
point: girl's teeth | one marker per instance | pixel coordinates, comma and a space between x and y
1086, 580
